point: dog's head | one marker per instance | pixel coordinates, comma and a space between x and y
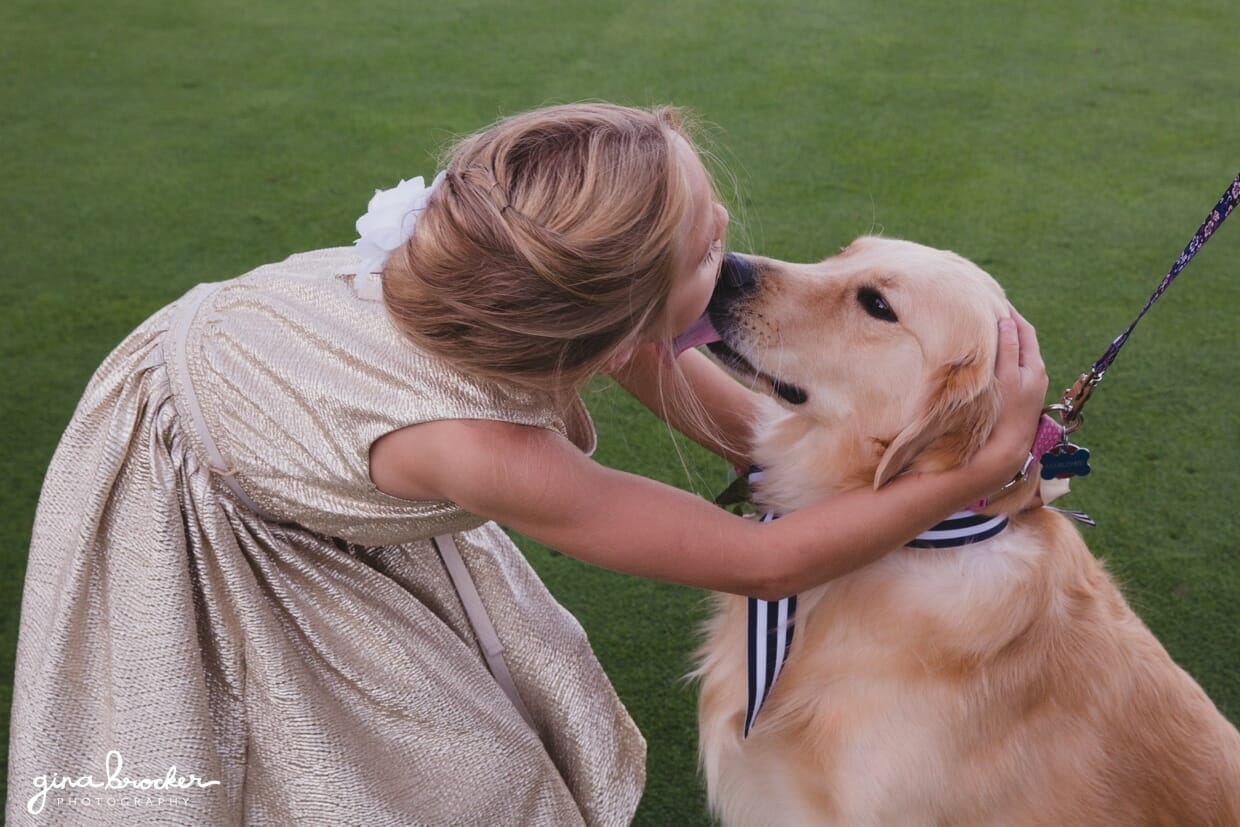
890, 344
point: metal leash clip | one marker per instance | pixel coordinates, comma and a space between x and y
1071, 406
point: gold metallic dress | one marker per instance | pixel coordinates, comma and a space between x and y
216, 592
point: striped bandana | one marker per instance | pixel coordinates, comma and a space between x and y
770, 635
770, 621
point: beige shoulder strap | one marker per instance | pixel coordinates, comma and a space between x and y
488, 640
178, 339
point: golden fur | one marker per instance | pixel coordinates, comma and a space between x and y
1004, 683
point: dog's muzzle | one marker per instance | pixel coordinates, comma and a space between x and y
738, 280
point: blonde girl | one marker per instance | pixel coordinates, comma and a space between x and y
266, 561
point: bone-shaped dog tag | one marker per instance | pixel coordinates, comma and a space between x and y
1065, 460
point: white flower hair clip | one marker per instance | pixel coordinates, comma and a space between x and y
389, 221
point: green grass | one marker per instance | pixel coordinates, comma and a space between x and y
1071, 149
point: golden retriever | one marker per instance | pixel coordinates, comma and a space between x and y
1000, 683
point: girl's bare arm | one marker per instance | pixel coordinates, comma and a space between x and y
536, 482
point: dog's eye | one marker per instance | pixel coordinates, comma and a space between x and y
875, 304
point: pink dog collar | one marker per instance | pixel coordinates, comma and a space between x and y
1050, 434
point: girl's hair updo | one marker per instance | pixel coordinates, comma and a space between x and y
551, 242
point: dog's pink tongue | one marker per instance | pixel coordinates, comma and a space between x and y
701, 333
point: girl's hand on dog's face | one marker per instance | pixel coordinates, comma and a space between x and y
1022, 384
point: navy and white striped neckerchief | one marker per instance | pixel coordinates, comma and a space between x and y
770, 621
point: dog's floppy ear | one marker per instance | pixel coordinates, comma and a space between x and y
959, 412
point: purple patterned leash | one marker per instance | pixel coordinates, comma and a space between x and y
1073, 401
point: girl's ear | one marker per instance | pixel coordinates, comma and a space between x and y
963, 402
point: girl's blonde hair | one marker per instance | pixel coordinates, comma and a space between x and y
551, 243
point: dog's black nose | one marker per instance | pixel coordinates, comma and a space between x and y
737, 279
738, 274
